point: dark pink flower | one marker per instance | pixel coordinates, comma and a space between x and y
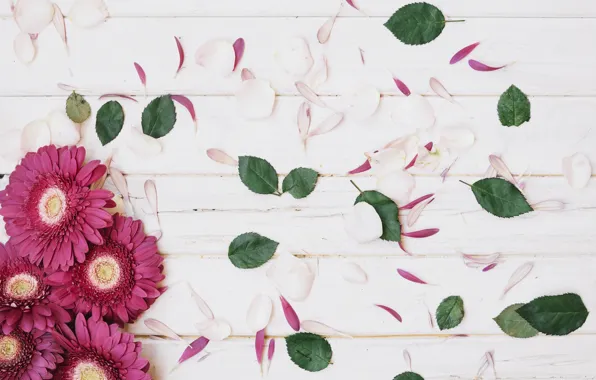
49, 209
96, 350
118, 280
28, 355
25, 295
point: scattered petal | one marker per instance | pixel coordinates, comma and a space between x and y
304, 120
479, 66
309, 94
417, 211
421, 234
480, 261
201, 304
181, 54
362, 56
217, 57
353, 273
490, 172
549, 206
59, 23
238, 46
271, 349
490, 358
412, 204
321, 329
259, 313
63, 131
143, 145
577, 170
246, 74
502, 170
397, 185
410, 277
88, 13
318, 75
294, 57
24, 48
364, 102
292, 276
407, 359
221, 157
187, 103
151, 196
463, 53
483, 367
215, 330
393, 313
161, 329
517, 276
456, 138
193, 349
401, 86
325, 30
489, 267
260, 345
363, 224
327, 125
445, 172
362, 168
33, 16
122, 96
290, 314
35, 135
122, 187
255, 99
387, 161
142, 75
440, 90
415, 112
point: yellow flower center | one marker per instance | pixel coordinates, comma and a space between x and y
52, 205
9, 348
21, 286
89, 371
104, 272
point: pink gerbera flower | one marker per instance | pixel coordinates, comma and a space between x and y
49, 209
118, 280
96, 350
24, 295
31, 355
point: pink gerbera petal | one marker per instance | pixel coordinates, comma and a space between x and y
47, 205
118, 280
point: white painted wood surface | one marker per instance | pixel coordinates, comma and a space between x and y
203, 206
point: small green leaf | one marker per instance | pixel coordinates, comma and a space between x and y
417, 23
500, 197
159, 117
450, 312
308, 351
77, 108
251, 250
514, 107
555, 315
408, 376
387, 210
300, 182
513, 324
109, 121
258, 175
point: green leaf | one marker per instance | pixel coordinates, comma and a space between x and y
513, 324
514, 107
500, 197
159, 117
300, 182
555, 315
109, 121
408, 376
450, 312
387, 210
258, 175
417, 23
310, 352
77, 108
251, 250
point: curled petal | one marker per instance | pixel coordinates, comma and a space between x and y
319, 74
479, 66
142, 75
238, 46
304, 119
325, 30
410, 277
193, 349
201, 304
480, 261
88, 13
393, 313
186, 103
417, 211
120, 183
422, 233
463, 53
122, 96
362, 168
63, 131
551, 205
33, 16
59, 23
412, 204
502, 170
181, 54
520, 273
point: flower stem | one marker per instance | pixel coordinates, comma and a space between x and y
356, 186
455, 21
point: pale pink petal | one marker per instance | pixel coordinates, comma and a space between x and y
304, 119
35, 135
440, 90
407, 359
319, 74
255, 99
292, 276
577, 170
325, 30
309, 94
161, 328
520, 273
294, 57
259, 313
24, 48
59, 23
353, 273
221, 157
122, 96
327, 125
151, 195
502, 170
480, 261
417, 211
550, 205
120, 183
215, 330
364, 102
316, 327
201, 304
246, 74
217, 56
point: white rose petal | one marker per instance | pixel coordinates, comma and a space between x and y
24, 48
255, 99
295, 57
215, 329
63, 131
217, 56
397, 185
577, 170
292, 276
259, 313
352, 272
364, 102
363, 224
457, 138
33, 16
415, 112
35, 135
143, 145
88, 13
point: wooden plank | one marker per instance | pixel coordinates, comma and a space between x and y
559, 127
529, 359
350, 307
546, 56
268, 8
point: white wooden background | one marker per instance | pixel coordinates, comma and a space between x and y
203, 205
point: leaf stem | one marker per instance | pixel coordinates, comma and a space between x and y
446, 21
356, 186
277, 193
465, 183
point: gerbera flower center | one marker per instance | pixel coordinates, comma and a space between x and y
104, 272
89, 371
22, 286
9, 348
52, 205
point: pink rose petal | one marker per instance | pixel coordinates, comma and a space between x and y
260, 345
401, 86
193, 349
410, 277
440, 90
161, 329
463, 53
181, 54
59, 24
393, 313
309, 94
187, 103
421, 234
290, 314
417, 211
327, 125
362, 168
239, 46
520, 273
304, 120
502, 170
325, 30
221, 157
142, 76
479, 66
246, 74
122, 96
411, 205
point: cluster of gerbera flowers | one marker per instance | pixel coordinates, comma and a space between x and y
71, 274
